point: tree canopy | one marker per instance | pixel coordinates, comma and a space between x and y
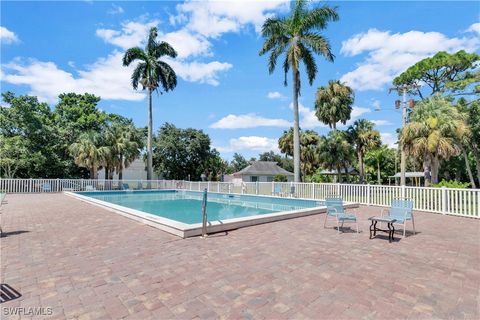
438, 71
181, 153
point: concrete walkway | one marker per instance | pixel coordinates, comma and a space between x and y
76, 260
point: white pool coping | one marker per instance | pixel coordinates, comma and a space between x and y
185, 230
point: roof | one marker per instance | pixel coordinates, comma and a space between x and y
410, 175
264, 168
351, 170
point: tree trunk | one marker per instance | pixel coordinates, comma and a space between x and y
95, 173
339, 173
361, 167
149, 138
92, 173
347, 175
467, 165
120, 170
379, 176
476, 155
435, 166
296, 126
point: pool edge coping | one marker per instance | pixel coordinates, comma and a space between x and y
190, 230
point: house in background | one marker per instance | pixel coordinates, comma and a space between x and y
261, 171
135, 171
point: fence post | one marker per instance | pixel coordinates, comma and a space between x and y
30, 185
313, 190
444, 200
273, 187
256, 187
338, 189
368, 194
403, 191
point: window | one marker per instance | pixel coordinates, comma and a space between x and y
253, 178
269, 179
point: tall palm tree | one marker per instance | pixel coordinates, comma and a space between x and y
89, 152
434, 132
364, 137
335, 152
334, 103
152, 73
297, 35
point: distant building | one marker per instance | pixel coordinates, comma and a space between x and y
261, 171
135, 171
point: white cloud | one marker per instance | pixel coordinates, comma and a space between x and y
390, 54
199, 71
106, 78
213, 18
132, 34
474, 28
186, 44
389, 139
275, 95
252, 143
381, 122
250, 120
7, 36
115, 10
376, 104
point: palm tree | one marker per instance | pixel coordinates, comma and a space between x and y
308, 149
285, 142
364, 137
377, 157
89, 153
124, 144
334, 103
297, 35
335, 152
151, 73
433, 133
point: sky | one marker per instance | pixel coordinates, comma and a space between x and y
224, 87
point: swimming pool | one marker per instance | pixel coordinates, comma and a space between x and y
180, 212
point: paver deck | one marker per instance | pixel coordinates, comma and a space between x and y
88, 263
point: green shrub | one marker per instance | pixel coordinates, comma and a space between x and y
452, 184
280, 178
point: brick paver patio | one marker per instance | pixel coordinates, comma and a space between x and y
88, 263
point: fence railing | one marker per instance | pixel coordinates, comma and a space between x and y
462, 202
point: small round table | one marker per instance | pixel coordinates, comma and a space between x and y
374, 229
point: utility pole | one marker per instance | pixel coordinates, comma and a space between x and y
403, 157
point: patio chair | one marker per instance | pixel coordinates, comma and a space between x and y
90, 188
139, 185
277, 190
46, 187
401, 210
125, 186
336, 209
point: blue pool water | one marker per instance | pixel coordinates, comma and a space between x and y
186, 206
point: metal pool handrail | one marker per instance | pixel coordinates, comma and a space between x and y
204, 214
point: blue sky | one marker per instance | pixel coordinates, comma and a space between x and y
224, 87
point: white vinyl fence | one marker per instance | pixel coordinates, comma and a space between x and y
462, 202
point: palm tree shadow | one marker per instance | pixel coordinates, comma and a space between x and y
7, 293
12, 233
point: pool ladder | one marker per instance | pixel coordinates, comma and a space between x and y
204, 214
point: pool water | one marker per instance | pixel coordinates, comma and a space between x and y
186, 206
